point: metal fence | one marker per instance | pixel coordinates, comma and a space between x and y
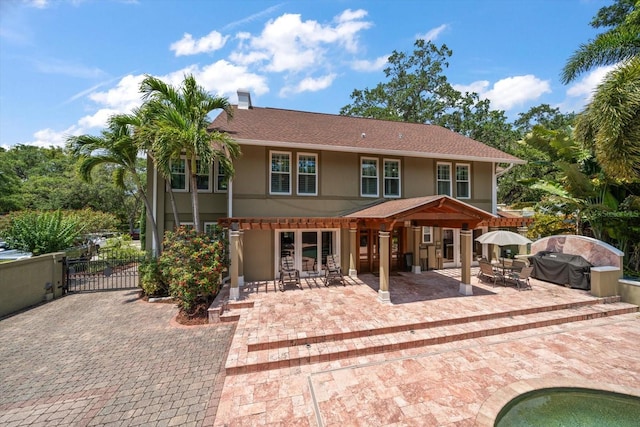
110, 269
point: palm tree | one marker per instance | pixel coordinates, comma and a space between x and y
145, 135
610, 124
116, 146
619, 43
179, 118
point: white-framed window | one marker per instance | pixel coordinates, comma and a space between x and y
391, 178
221, 181
187, 225
280, 173
207, 227
463, 182
179, 175
307, 174
427, 234
368, 177
443, 178
203, 177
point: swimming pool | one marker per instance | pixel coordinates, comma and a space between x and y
568, 407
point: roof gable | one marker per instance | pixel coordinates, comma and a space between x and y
305, 130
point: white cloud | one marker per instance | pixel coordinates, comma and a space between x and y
209, 43
253, 17
122, 98
39, 4
56, 66
585, 87
509, 92
309, 84
433, 33
289, 44
99, 119
49, 138
366, 65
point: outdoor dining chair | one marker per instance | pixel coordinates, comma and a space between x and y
488, 271
333, 271
288, 273
522, 278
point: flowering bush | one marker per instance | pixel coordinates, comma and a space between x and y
192, 264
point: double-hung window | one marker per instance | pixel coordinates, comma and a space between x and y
221, 181
444, 178
391, 178
368, 177
427, 233
463, 182
179, 181
280, 179
307, 174
203, 176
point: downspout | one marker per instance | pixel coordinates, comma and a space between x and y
494, 186
230, 198
154, 249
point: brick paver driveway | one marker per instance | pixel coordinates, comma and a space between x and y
109, 359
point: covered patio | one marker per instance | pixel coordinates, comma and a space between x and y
380, 219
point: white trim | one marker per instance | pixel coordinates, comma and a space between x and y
468, 166
384, 179
205, 223
298, 173
450, 179
378, 151
271, 153
362, 159
154, 246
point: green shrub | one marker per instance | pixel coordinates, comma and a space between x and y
41, 232
192, 264
151, 280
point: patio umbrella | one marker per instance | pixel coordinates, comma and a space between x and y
503, 238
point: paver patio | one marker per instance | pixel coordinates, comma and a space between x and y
110, 359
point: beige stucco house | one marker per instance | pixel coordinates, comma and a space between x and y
382, 195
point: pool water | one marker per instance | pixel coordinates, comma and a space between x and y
571, 407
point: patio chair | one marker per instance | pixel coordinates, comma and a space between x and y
518, 265
487, 271
333, 271
288, 273
522, 278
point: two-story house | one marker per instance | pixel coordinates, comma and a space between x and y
380, 194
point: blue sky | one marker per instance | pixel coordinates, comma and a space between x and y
67, 65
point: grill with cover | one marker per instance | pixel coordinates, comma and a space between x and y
562, 269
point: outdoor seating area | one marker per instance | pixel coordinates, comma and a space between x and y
288, 273
333, 271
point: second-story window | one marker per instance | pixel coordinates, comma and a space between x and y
463, 182
203, 176
307, 174
369, 177
179, 175
444, 179
391, 178
222, 182
280, 181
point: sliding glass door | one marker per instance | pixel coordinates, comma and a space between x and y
308, 248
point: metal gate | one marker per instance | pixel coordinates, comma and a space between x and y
107, 270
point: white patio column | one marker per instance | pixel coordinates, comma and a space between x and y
523, 249
234, 239
241, 258
465, 253
383, 292
353, 272
416, 250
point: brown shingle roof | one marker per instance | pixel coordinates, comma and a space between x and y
289, 128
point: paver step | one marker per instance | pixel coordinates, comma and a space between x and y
301, 353
314, 339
